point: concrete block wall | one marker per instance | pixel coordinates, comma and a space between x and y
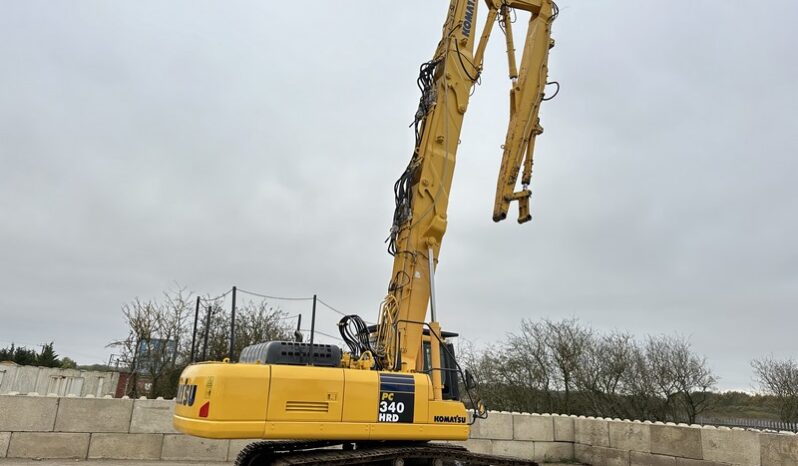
539, 437
615, 442
69, 427
608, 442
33, 426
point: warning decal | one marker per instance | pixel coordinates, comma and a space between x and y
397, 398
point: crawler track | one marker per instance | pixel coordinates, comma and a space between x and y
315, 453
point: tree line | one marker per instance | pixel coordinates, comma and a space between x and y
46, 357
568, 368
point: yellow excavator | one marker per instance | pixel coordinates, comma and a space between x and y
397, 386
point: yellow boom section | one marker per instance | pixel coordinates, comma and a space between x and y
526, 96
422, 192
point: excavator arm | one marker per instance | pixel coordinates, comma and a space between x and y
526, 95
422, 191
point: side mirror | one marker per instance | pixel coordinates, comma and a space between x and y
470, 383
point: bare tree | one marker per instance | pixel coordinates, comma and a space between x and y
154, 336
528, 367
682, 378
568, 368
486, 368
639, 387
779, 379
567, 342
602, 376
158, 344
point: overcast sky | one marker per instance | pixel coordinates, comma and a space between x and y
212, 144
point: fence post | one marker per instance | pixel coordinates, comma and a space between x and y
312, 329
194, 333
298, 331
207, 329
231, 353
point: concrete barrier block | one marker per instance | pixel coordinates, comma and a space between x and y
533, 427
691, 462
126, 446
592, 432
182, 447
630, 436
152, 417
603, 456
563, 429
731, 446
93, 415
48, 445
554, 452
498, 426
517, 448
637, 458
778, 449
583, 453
5, 439
26, 378
676, 441
27, 413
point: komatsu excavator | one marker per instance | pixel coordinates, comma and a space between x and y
398, 386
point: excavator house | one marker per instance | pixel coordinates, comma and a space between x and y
397, 386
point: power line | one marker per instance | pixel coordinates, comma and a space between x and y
322, 333
218, 297
339, 312
264, 296
331, 308
285, 298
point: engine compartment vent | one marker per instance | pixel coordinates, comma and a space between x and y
307, 406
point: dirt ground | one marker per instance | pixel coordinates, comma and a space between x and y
26, 462
21, 462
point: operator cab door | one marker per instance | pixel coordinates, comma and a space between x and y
449, 377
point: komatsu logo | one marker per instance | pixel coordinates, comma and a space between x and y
469, 18
450, 419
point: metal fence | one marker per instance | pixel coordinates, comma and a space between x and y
763, 424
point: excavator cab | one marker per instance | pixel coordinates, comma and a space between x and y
449, 371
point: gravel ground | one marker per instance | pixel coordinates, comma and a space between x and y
25, 462
20, 462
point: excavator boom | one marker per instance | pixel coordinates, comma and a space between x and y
422, 191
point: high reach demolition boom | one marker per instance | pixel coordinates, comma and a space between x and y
399, 382
422, 191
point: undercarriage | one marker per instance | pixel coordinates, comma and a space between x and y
299, 452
